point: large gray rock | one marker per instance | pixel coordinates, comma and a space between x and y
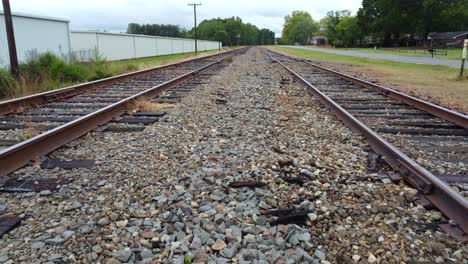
56, 241
37, 245
123, 255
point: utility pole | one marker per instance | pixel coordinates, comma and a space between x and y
195, 17
465, 48
11, 39
219, 42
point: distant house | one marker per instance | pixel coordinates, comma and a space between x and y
318, 40
448, 39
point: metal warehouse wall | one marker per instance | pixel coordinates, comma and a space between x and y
35, 34
112, 46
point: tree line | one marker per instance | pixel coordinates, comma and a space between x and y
379, 22
164, 30
230, 31
233, 32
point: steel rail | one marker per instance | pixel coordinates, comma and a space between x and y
22, 153
12, 105
447, 200
436, 110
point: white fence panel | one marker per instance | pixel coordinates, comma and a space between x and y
145, 47
189, 45
125, 46
85, 46
177, 46
83, 41
205, 45
115, 47
164, 46
200, 45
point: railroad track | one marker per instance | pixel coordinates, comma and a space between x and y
427, 144
35, 125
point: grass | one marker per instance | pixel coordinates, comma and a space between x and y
452, 54
44, 72
145, 105
187, 260
438, 84
6, 83
31, 131
119, 67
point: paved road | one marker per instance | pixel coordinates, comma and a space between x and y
406, 59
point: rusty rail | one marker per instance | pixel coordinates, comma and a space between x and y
20, 154
436, 110
435, 190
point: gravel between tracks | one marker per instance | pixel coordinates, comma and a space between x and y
162, 193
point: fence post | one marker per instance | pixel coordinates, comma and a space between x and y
97, 44
157, 51
134, 48
172, 46
462, 67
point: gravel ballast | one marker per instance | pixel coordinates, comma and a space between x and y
164, 195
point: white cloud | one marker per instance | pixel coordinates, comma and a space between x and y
115, 15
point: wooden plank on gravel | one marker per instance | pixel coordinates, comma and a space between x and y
142, 121
8, 222
33, 185
124, 129
38, 119
392, 116
249, 184
10, 126
440, 132
40, 112
425, 124
68, 164
150, 114
449, 178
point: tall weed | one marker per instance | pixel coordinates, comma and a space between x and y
6, 83
99, 68
62, 71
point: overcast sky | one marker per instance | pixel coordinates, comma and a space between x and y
114, 15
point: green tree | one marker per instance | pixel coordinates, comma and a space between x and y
249, 34
233, 27
266, 37
155, 30
299, 27
442, 15
347, 32
388, 19
231, 31
222, 36
329, 23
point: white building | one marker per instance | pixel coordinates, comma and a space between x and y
35, 34
117, 46
38, 34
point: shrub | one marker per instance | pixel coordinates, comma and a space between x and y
6, 83
100, 68
46, 60
61, 71
131, 67
37, 66
50, 66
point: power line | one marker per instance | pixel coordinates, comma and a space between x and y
195, 23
